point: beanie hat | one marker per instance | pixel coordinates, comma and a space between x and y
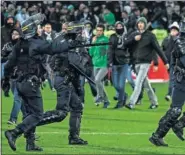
143, 20
119, 22
174, 25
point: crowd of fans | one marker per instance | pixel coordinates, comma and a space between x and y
160, 14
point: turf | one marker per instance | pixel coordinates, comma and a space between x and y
108, 131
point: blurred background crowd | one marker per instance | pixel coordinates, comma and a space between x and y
160, 14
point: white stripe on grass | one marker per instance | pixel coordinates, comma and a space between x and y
100, 133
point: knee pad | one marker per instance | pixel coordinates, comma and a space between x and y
171, 116
60, 115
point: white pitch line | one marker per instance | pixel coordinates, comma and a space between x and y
99, 133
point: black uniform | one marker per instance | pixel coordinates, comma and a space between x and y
26, 56
68, 90
170, 119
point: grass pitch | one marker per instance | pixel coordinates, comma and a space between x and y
108, 131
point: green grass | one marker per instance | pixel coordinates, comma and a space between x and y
108, 131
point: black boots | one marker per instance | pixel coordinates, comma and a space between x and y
30, 142
76, 140
74, 123
165, 123
12, 136
178, 127
156, 140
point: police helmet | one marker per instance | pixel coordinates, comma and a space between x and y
75, 27
29, 26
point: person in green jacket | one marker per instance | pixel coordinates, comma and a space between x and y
109, 17
100, 64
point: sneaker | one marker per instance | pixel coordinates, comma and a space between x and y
115, 98
129, 106
106, 83
53, 89
168, 98
106, 104
99, 100
11, 122
153, 106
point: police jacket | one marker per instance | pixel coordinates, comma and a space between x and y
27, 54
118, 53
178, 54
142, 49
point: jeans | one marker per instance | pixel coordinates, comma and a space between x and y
141, 71
99, 74
2, 70
119, 74
92, 86
16, 103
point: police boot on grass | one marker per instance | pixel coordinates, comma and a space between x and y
74, 131
166, 122
12, 136
30, 142
178, 127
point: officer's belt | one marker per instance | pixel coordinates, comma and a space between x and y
60, 73
181, 70
27, 77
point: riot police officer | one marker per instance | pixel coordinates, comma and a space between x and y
26, 57
68, 89
170, 119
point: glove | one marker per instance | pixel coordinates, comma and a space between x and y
5, 83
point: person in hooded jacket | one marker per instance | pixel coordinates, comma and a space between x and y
6, 51
5, 38
119, 58
143, 44
6, 29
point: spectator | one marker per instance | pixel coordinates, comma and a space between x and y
99, 58
125, 18
48, 34
6, 29
133, 19
176, 14
119, 58
142, 43
145, 13
22, 15
64, 28
71, 16
86, 16
108, 17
